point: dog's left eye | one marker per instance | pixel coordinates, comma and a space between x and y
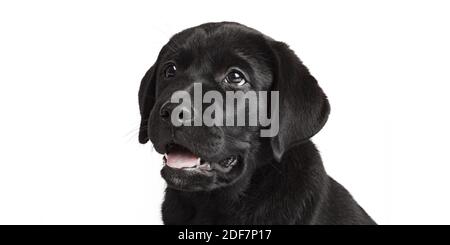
170, 70
235, 77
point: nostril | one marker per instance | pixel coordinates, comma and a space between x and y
164, 113
184, 115
181, 113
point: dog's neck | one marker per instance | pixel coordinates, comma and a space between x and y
271, 181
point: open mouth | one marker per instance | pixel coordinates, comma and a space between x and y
179, 157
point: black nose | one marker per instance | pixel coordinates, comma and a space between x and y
183, 114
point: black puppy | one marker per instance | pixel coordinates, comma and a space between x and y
230, 174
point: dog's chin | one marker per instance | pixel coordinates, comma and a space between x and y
185, 171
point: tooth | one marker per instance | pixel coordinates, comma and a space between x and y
205, 166
231, 161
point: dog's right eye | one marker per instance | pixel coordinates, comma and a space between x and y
235, 77
170, 70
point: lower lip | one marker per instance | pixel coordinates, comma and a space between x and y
206, 167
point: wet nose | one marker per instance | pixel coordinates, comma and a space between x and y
181, 114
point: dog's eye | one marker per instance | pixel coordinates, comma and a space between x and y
170, 71
235, 77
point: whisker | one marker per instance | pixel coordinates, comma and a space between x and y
237, 139
132, 137
276, 168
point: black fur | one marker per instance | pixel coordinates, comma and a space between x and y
279, 180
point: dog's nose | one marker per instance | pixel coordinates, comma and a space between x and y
183, 114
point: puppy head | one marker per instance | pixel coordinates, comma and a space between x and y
225, 57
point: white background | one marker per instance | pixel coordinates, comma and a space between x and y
70, 71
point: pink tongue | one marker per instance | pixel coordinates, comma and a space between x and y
182, 160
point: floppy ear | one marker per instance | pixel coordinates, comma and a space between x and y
303, 106
146, 102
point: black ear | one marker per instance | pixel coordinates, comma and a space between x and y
146, 102
303, 106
